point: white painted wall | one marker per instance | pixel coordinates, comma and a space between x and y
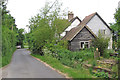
74, 24
96, 24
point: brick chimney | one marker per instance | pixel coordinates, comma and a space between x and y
70, 15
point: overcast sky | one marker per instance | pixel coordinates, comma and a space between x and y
22, 10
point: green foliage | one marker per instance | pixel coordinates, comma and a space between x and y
117, 15
45, 27
20, 37
94, 63
67, 57
71, 72
117, 24
40, 35
114, 26
101, 42
60, 25
8, 45
90, 70
107, 53
9, 32
101, 74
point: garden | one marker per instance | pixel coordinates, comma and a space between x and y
102, 67
45, 43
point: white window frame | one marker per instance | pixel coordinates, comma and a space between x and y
84, 44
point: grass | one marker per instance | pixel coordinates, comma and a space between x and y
6, 59
71, 72
115, 68
26, 46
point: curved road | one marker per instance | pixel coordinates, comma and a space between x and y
25, 66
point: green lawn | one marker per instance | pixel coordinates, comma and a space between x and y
71, 72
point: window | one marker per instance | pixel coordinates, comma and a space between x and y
102, 31
84, 44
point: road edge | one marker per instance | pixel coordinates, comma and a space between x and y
65, 75
6, 65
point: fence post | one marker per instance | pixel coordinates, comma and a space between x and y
96, 54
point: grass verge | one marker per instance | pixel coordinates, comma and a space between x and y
71, 72
7, 59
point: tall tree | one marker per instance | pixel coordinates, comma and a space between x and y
45, 25
117, 25
9, 31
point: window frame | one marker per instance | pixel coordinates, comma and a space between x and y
84, 44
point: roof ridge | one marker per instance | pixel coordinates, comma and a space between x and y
72, 20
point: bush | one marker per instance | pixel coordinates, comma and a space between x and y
101, 42
9, 31
8, 45
67, 57
67, 62
101, 74
107, 53
94, 63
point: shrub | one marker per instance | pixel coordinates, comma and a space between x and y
90, 70
101, 74
8, 45
67, 62
101, 42
66, 57
94, 63
107, 53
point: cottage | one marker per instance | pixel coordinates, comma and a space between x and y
87, 30
75, 21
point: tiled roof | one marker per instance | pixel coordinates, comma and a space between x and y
87, 19
73, 19
74, 31
71, 33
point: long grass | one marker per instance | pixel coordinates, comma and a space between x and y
71, 72
6, 59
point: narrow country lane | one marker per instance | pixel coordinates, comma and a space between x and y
25, 66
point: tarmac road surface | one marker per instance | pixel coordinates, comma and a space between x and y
23, 65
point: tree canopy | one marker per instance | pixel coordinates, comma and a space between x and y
46, 26
9, 34
116, 27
